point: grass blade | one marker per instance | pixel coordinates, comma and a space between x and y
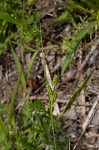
2, 125
11, 108
77, 93
9, 18
31, 63
29, 48
80, 6
64, 16
34, 17
20, 69
74, 43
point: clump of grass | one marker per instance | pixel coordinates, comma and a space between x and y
36, 127
83, 16
16, 21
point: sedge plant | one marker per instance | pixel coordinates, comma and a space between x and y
35, 127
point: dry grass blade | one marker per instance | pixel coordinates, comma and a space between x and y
82, 98
76, 94
88, 119
90, 115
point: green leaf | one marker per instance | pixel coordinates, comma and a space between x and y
2, 125
3, 45
79, 5
77, 93
11, 108
31, 63
63, 17
93, 4
19, 69
9, 18
71, 47
34, 17
29, 48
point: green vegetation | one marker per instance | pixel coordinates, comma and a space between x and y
87, 11
35, 127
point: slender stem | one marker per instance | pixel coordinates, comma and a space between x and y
52, 123
22, 31
43, 56
50, 100
3, 126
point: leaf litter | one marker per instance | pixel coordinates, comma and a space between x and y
82, 119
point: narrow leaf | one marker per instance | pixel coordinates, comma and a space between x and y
78, 5
19, 69
29, 48
11, 108
77, 93
31, 63
34, 17
9, 18
3, 126
63, 17
74, 43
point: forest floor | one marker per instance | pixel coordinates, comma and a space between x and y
82, 119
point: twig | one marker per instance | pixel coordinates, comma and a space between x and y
58, 100
88, 119
92, 54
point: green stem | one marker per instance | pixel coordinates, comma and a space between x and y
52, 123
22, 31
3, 126
43, 55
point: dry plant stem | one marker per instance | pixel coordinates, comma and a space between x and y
91, 55
70, 85
48, 47
90, 44
82, 98
63, 101
90, 115
88, 119
82, 95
